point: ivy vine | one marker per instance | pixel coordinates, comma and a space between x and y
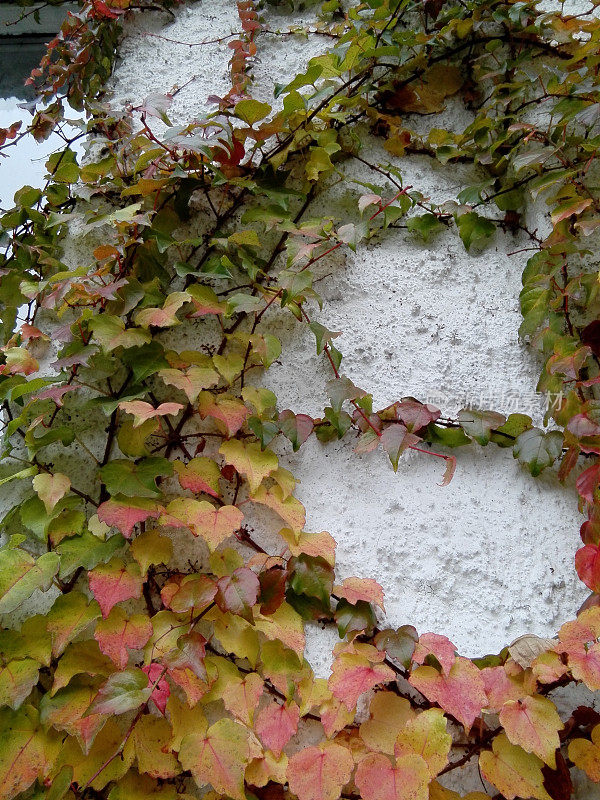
125, 673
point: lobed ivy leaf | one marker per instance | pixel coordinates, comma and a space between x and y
512, 771
218, 756
319, 772
114, 582
537, 449
21, 575
214, 525
120, 632
122, 692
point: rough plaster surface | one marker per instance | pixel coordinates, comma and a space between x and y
491, 556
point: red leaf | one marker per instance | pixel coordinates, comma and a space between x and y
113, 582
319, 773
276, 724
377, 778
439, 646
588, 482
120, 631
161, 691
124, 514
351, 675
587, 564
461, 693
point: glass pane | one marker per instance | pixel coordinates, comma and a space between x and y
18, 56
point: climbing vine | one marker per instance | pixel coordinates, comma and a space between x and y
136, 428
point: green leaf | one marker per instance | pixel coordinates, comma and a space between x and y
354, 617
478, 425
252, 111
474, 230
135, 478
87, 551
21, 575
123, 691
537, 450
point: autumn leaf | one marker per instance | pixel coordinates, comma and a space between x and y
512, 771
275, 725
51, 488
439, 646
159, 684
121, 632
124, 513
17, 679
407, 778
533, 723
427, 736
150, 739
238, 592
114, 582
587, 564
225, 409
290, 509
218, 756
81, 657
122, 692
191, 380
199, 475
26, 752
586, 755
356, 589
143, 411
352, 675
460, 693
320, 772
388, 716
189, 593
203, 519
150, 548
70, 615
249, 460
164, 317
21, 575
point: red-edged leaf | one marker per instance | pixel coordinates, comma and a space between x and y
461, 693
378, 778
161, 691
355, 589
188, 593
439, 646
533, 723
124, 513
218, 756
142, 411
113, 582
199, 475
121, 632
320, 772
276, 724
203, 519
238, 592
